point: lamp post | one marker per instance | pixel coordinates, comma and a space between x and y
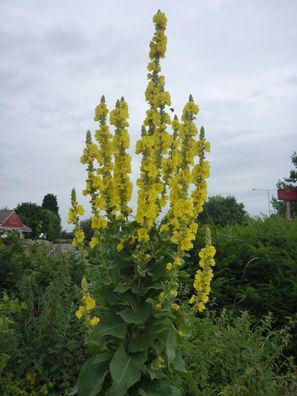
268, 196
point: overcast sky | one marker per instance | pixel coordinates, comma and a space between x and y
238, 58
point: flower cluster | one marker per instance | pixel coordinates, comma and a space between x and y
88, 305
75, 211
173, 175
156, 140
122, 161
204, 275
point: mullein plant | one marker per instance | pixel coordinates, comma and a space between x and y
135, 336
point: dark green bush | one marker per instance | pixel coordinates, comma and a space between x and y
256, 269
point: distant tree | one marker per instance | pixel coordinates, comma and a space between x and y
50, 202
39, 220
31, 215
219, 210
85, 225
51, 224
291, 181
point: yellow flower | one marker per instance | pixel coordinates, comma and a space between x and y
164, 228
92, 322
120, 247
71, 216
79, 313
89, 302
169, 266
192, 299
207, 147
162, 295
173, 293
142, 235
181, 333
175, 307
94, 242
79, 235
177, 261
98, 222
200, 307
204, 298
80, 210
158, 306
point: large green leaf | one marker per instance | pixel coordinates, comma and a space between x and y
110, 325
125, 370
91, 378
146, 338
137, 315
171, 345
179, 364
101, 357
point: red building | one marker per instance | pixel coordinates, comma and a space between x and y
10, 221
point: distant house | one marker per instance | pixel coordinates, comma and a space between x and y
10, 221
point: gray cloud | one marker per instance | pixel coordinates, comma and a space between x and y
237, 58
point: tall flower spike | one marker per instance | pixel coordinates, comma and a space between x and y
200, 173
122, 161
105, 158
204, 275
155, 140
75, 211
93, 181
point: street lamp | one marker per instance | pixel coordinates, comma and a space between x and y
268, 196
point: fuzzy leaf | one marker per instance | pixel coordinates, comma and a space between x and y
171, 345
125, 370
113, 326
139, 315
91, 378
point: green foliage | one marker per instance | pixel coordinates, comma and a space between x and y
256, 268
40, 220
133, 342
51, 224
30, 214
50, 202
47, 341
231, 356
222, 211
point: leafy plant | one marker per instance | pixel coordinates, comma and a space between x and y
227, 355
129, 304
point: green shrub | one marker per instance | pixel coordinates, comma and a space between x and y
229, 356
256, 269
49, 338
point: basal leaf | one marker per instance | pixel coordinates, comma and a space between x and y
139, 315
125, 370
171, 345
113, 326
179, 364
91, 378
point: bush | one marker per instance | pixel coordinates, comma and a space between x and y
229, 356
256, 269
49, 338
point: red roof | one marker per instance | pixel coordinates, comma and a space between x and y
11, 221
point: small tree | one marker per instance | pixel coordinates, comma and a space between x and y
219, 210
31, 215
50, 202
39, 220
